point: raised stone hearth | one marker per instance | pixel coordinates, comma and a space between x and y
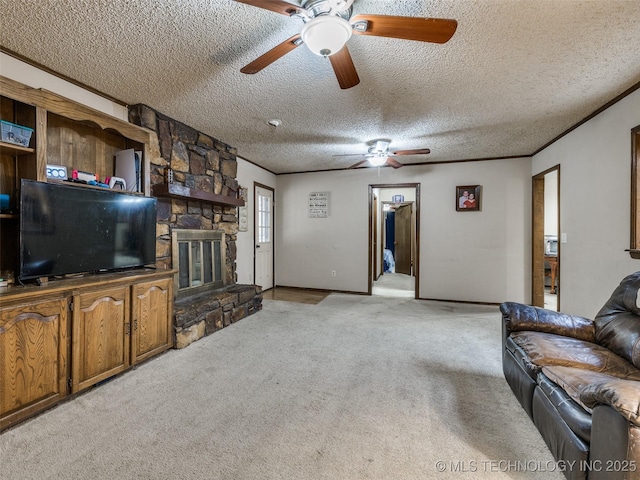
203, 314
203, 172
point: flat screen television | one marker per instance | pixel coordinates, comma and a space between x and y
70, 229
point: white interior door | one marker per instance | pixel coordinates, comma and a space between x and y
264, 237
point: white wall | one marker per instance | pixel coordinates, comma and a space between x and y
470, 256
248, 174
19, 71
594, 205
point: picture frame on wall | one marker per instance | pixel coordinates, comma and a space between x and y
468, 198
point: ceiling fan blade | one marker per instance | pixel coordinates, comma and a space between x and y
418, 151
434, 30
344, 68
393, 163
278, 6
272, 55
358, 163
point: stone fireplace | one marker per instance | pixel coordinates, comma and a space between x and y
194, 177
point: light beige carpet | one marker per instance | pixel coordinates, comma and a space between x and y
355, 387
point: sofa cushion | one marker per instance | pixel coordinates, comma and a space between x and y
618, 322
547, 349
622, 395
573, 380
593, 388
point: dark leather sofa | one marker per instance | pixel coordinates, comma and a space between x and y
579, 381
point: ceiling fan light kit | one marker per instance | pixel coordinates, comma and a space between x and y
326, 35
377, 161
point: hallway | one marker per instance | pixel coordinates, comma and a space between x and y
394, 285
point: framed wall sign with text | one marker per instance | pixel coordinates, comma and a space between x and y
318, 204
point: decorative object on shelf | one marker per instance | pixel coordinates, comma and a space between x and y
243, 214
56, 172
128, 166
116, 182
16, 134
318, 204
397, 199
468, 198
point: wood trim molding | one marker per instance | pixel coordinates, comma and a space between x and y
634, 249
324, 290
610, 103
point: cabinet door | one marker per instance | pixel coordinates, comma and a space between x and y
100, 336
33, 358
151, 318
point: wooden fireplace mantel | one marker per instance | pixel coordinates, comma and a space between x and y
180, 192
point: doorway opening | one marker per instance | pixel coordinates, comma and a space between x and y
394, 217
546, 239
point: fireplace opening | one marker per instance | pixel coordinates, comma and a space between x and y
199, 257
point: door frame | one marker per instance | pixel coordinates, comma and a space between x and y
371, 257
537, 238
257, 185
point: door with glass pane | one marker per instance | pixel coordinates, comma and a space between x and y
264, 237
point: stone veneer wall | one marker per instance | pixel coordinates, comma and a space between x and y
200, 162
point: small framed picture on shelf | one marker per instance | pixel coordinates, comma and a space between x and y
468, 198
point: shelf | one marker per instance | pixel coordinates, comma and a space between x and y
95, 187
179, 192
16, 149
8, 215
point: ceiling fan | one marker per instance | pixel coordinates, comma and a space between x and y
328, 25
379, 154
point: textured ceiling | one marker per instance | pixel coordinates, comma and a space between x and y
515, 75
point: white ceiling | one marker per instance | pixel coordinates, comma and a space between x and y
515, 75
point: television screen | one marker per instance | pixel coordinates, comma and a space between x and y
66, 229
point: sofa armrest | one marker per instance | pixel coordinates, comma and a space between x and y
621, 395
518, 317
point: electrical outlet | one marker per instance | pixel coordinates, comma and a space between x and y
333, 273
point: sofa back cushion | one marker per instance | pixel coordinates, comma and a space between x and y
618, 321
